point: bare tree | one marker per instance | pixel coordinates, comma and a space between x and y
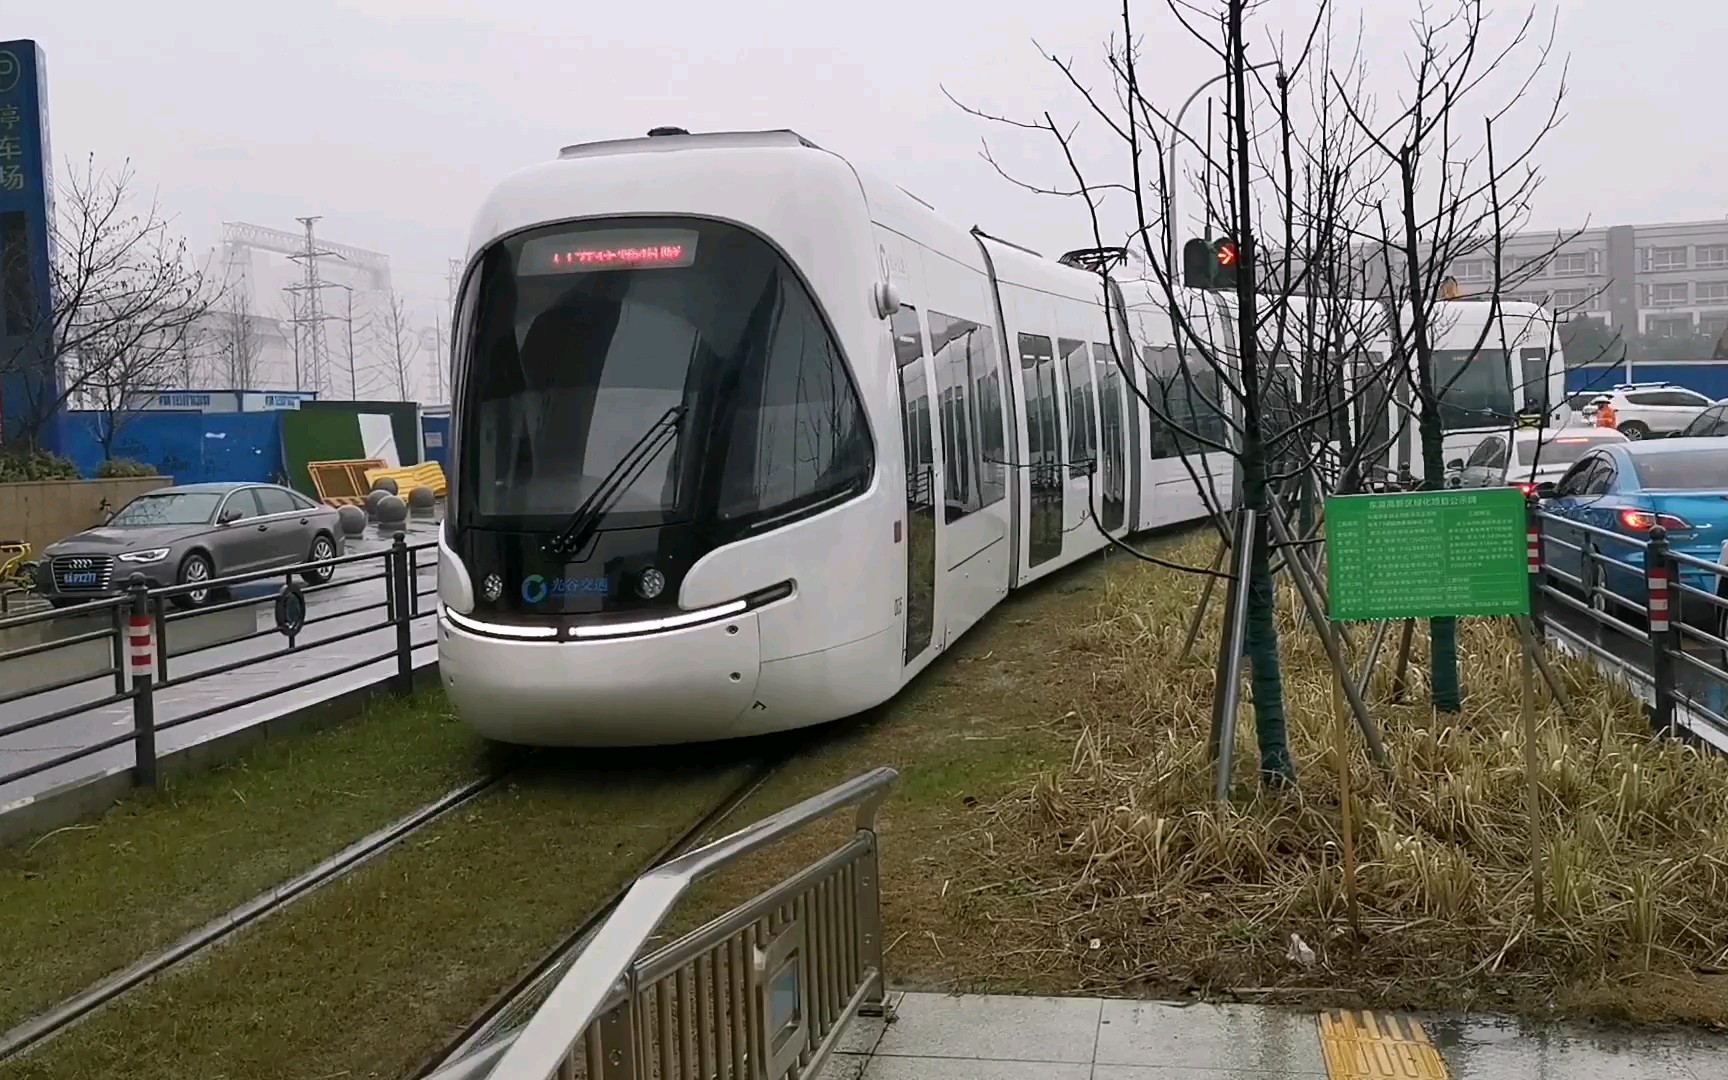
1313, 367
288, 314
397, 346
1450, 198
1279, 374
1205, 382
238, 345
126, 302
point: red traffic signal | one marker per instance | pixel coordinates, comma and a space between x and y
1210, 264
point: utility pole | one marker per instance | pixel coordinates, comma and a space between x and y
438, 356
353, 380
311, 313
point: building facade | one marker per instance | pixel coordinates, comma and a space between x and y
1664, 281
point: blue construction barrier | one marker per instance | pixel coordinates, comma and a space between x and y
436, 432
192, 447
1707, 377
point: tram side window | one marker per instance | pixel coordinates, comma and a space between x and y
1164, 380
1044, 448
1206, 409
915, 431
962, 434
1475, 389
986, 374
1285, 440
1113, 473
1082, 407
805, 434
1191, 401
1533, 388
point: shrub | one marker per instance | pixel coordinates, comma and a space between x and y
19, 466
119, 468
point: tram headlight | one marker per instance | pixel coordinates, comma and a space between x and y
492, 587
650, 584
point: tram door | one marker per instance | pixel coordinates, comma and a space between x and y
1112, 479
921, 482
1082, 496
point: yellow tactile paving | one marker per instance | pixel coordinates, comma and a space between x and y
1377, 1046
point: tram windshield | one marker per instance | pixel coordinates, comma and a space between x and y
585, 335
1474, 387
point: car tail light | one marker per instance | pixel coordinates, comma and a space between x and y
1527, 489
1645, 520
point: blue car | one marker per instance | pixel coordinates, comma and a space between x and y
1627, 489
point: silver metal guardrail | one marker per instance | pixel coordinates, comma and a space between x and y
1657, 615
763, 992
118, 648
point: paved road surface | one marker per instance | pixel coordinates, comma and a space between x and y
341, 606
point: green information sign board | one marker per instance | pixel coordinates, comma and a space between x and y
1426, 554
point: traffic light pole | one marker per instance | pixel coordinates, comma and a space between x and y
1170, 162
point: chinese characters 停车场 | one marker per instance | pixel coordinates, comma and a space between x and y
11, 150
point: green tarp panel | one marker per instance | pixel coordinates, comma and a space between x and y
317, 435
404, 422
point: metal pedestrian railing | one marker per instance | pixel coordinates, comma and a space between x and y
763, 992
1657, 615
139, 632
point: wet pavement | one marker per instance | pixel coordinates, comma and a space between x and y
1484, 1048
332, 611
977, 1037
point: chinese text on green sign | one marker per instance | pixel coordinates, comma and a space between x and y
1427, 554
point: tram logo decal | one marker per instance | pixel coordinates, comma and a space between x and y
536, 588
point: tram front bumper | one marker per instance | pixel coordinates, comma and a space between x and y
686, 685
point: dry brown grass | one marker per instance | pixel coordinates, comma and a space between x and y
1114, 872
1052, 831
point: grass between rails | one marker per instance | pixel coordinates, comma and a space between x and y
371, 973
1053, 831
1051, 834
84, 901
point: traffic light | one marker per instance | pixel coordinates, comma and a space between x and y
1224, 263
1197, 264
1210, 264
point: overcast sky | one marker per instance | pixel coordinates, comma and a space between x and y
391, 118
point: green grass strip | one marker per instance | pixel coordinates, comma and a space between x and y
367, 975
82, 902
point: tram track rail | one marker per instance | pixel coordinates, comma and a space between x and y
487, 1025
333, 868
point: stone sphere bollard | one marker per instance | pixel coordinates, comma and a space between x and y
373, 499
384, 483
392, 511
353, 520
421, 501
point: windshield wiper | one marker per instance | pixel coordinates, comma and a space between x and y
615, 483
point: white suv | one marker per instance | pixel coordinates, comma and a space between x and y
1645, 409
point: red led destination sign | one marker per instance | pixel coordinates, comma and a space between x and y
644, 256
575, 253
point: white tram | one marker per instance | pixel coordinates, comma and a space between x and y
743, 438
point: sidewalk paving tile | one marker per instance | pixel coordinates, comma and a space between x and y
1209, 1037
950, 1068
1000, 1029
